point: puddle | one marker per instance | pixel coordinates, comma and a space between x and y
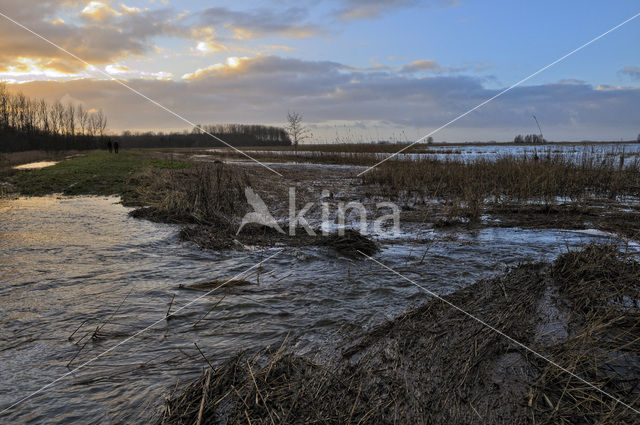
35, 165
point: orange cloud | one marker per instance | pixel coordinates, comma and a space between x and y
232, 63
99, 11
27, 69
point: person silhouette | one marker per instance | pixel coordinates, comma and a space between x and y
115, 147
109, 146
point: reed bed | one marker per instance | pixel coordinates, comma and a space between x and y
209, 194
434, 364
511, 177
467, 189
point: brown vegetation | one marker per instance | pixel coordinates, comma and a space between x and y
435, 364
509, 184
511, 178
209, 194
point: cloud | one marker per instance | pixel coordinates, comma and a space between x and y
124, 72
103, 35
99, 11
632, 72
422, 65
366, 9
262, 89
289, 22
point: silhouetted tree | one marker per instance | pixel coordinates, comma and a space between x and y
298, 132
27, 124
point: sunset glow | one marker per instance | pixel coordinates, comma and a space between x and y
387, 67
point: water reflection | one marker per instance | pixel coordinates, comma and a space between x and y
35, 165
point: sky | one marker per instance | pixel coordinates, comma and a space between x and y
356, 70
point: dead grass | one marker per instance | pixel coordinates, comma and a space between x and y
435, 365
209, 194
468, 188
511, 178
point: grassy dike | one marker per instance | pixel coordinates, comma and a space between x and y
97, 173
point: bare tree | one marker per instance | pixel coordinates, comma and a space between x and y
297, 131
638, 139
4, 106
55, 113
101, 122
43, 116
83, 118
430, 140
70, 118
92, 126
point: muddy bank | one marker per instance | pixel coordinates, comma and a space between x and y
623, 220
209, 199
435, 364
350, 243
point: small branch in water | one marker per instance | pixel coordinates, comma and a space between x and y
209, 311
203, 356
77, 329
167, 316
98, 329
74, 357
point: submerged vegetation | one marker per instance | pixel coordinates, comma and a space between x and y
511, 178
530, 190
435, 364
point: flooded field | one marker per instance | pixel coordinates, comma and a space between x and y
473, 152
71, 265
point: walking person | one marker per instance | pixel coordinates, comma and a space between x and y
115, 147
109, 146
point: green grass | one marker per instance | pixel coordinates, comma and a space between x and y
170, 164
97, 173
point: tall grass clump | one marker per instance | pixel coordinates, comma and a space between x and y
211, 194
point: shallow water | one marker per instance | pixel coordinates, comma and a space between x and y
65, 261
35, 165
471, 152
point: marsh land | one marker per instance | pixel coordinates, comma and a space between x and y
512, 285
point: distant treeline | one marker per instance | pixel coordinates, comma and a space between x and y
529, 139
33, 124
233, 134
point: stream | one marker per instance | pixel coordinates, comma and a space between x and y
75, 264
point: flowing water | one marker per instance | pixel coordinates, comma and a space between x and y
83, 262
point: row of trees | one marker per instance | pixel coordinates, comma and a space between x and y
27, 123
32, 116
262, 134
233, 134
530, 139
